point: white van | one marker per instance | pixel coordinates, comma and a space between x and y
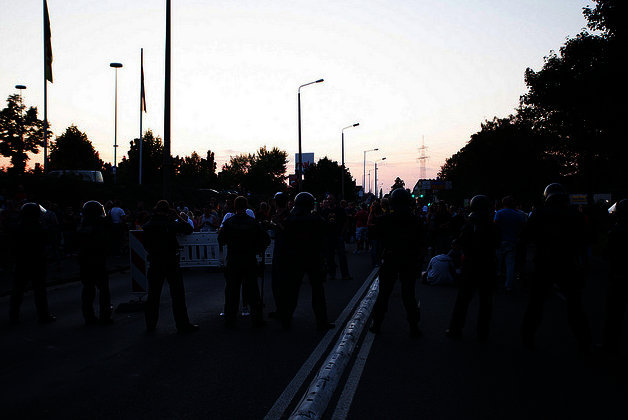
89, 176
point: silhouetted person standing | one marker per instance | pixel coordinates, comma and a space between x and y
335, 228
404, 243
303, 232
279, 267
160, 241
617, 296
442, 223
479, 238
28, 241
245, 239
510, 223
118, 224
559, 237
92, 259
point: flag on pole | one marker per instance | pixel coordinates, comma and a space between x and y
47, 45
142, 108
143, 104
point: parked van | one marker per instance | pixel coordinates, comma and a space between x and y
89, 176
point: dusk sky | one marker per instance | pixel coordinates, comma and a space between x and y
404, 69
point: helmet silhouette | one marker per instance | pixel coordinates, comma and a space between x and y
303, 203
400, 199
281, 198
554, 192
30, 211
481, 207
93, 209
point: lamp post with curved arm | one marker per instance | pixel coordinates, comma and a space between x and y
364, 174
115, 124
378, 160
342, 173
300, 163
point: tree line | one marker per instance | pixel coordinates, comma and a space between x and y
568, 127
262, 173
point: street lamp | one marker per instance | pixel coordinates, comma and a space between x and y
20, 88
115, 126
364, 174
342, 174
378, 160
300, 167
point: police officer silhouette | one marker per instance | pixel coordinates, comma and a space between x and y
617, 296
404, 243
558, 233
92, 240
480, 238
160, 241
29, 240
304, 235
245, 239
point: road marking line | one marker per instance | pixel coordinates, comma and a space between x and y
346, 398
293, 387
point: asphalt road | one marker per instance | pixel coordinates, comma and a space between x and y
68, 371
436, 377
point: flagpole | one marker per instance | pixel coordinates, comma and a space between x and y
141, 109
46, 37
45, 123
167, 157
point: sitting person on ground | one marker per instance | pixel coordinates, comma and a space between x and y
440, 270
444, 269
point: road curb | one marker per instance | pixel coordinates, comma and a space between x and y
316, 399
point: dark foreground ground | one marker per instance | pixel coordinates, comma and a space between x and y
68, 371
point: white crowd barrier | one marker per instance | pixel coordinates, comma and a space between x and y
198, 249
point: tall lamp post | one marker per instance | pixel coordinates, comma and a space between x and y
378, 160
364, 174
115, 125
342, 174
300, 167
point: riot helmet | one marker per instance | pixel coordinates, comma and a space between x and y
31, 211
93, 210
619, 209
281, 199
481, 207
400, 200
303, 203
555, 193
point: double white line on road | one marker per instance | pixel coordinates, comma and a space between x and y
320, 391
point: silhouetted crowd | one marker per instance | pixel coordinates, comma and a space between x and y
481, 248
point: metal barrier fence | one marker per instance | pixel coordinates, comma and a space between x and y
198, 249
